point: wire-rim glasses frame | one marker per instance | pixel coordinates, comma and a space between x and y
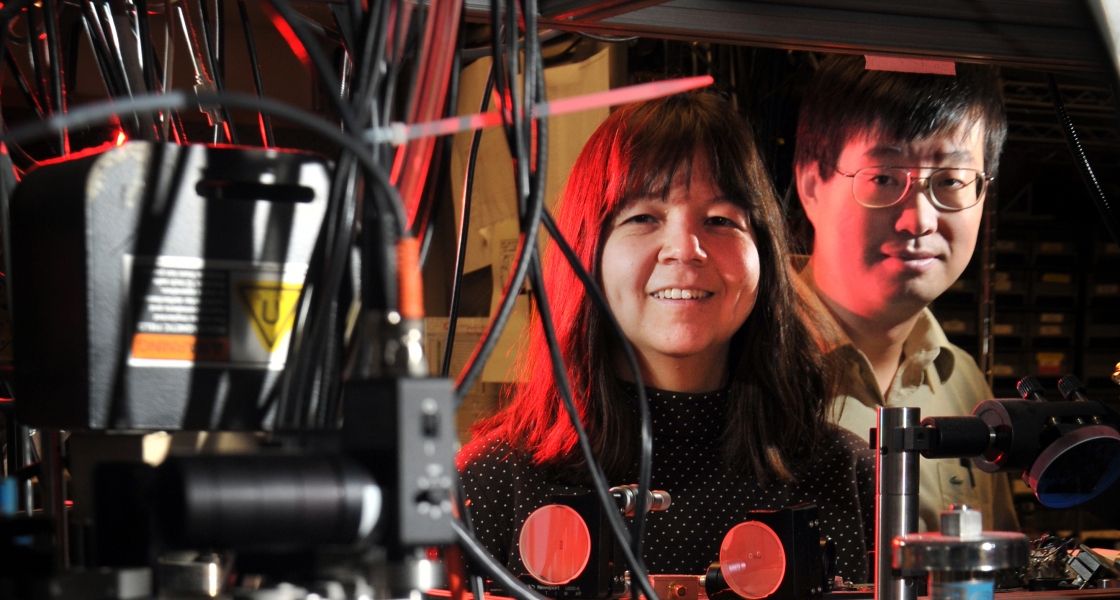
880, 186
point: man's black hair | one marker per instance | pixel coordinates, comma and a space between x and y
844, 100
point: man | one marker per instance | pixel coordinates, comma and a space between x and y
892, 170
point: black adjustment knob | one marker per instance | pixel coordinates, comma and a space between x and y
1030, 389
1071, 388
1074, 391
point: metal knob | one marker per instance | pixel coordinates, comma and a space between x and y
627, 495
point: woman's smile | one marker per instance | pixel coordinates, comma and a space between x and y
679, 294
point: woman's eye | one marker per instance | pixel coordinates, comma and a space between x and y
722, 222
639, 218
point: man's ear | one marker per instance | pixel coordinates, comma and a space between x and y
808, 182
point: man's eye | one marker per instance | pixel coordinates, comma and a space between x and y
951, 183
640, 218
883, 179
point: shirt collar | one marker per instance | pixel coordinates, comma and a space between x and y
927, 349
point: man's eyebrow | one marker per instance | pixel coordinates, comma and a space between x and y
883, 151
954, 156
889, 152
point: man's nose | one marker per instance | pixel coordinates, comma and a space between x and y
682, 243
918, 215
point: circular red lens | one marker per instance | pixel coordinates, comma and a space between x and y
555, 544
752, 560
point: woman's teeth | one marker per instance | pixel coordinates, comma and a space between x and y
679, 294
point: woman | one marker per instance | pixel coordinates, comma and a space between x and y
670, 207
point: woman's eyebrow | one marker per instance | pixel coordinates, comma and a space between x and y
728, 201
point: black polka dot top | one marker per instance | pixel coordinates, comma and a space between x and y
504, 487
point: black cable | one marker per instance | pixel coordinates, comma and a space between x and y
369, 61
478, 553
393, 72
37, 61
320, 61
369, 69
176, 100
431, 194
116, 57
24, 86
497, 325
54, 53
14, 150
530, 227
606, 38
531, 219
108, 77
13, 37
535, 72
645, 462
533, 81
357, 16
331, 364
518, 118
477, 52
451, 107
73, 46
208, 40
303, 345
464, 229
437, 192
324, 326
174, 121
147, 53
26, 161
255, 67
220, 39
6, 185
112, 69
497, 30
148, 58
418, 14
327, 33
461, 501
316, 348
212, 56
639, 577
1100, 199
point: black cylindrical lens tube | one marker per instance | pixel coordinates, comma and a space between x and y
262, 501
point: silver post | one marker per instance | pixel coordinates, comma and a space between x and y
54, 491
26, 490
896, 497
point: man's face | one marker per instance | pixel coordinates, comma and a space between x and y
891, 262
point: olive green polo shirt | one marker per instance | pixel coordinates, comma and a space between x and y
940, 379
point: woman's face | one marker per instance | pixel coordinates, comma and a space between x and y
681, 274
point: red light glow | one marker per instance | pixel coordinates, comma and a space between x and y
121, 138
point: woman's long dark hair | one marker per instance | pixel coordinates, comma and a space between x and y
779, 387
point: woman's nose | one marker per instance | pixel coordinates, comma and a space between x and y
682, 243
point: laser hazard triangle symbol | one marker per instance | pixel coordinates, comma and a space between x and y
271, 306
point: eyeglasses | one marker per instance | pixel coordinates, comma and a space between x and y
949, 189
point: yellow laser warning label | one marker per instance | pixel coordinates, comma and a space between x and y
271, 306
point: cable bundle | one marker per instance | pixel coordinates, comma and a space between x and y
351, 323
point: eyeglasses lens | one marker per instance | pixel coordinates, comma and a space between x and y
884, 186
